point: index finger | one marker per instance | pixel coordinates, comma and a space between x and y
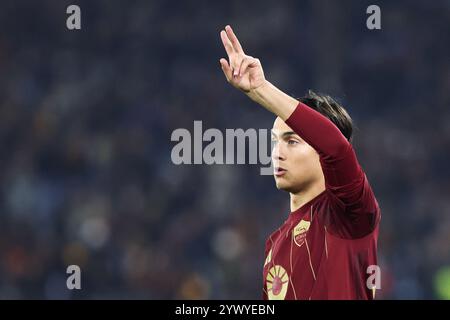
234, 40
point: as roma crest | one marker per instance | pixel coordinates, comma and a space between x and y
300, 231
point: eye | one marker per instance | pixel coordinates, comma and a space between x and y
292, 142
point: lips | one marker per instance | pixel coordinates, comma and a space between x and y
279, 171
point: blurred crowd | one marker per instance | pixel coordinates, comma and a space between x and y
86, 119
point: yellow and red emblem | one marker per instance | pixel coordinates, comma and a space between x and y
300, 231
277, 283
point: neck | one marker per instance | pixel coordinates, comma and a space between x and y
302, 197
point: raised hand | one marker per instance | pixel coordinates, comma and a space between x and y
242, 71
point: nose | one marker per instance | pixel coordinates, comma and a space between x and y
278, 152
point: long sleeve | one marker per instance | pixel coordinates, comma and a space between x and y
344, 177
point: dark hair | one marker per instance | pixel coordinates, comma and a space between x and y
330, 109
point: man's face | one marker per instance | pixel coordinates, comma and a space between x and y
296, 164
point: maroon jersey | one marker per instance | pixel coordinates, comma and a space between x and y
324, 248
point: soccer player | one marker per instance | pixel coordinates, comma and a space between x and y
329, 239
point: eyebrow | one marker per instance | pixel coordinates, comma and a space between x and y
286, 133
